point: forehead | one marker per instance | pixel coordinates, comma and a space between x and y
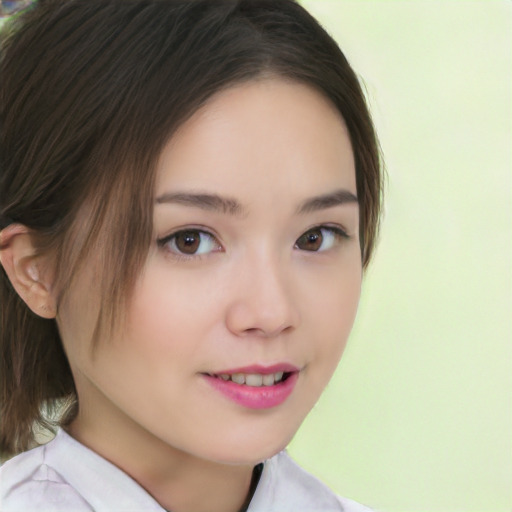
268, 134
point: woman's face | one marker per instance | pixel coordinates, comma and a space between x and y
253, 276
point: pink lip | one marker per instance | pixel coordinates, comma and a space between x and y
263, 397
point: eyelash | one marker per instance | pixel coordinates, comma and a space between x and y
163, 243
337, 232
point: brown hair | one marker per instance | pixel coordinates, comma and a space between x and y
90, 92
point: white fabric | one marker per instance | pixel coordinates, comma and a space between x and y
65, 476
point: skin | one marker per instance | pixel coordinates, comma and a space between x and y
252, 296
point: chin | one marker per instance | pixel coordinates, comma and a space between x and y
250, 449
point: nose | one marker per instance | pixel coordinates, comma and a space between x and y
263, 303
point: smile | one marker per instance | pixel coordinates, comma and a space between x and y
256, 387
254, 379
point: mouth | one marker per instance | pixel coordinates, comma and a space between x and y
255, 380
255, 387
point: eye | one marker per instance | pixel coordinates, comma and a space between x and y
190, 242
321, 238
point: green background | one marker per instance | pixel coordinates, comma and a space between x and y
418, 417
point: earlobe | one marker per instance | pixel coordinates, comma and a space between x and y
22, 266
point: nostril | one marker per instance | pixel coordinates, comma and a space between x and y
266, 333
254, 331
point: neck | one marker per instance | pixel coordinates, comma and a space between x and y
178, 481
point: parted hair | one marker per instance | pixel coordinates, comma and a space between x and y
90, 92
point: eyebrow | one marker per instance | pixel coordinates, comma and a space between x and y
324, 201
210, 202
227, 205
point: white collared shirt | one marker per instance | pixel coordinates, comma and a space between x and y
66, 476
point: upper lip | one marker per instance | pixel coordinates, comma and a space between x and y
260, 369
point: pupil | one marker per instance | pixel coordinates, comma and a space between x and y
311, 241
188, 242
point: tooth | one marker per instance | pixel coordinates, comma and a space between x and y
224, 376
278, 376
239, 378
268, 380
254, 380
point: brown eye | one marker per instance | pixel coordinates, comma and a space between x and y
190, 242
310, 241
321, 238
187, 242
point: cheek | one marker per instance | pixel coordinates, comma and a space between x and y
152, 328
331, 312
170, 310
334, 293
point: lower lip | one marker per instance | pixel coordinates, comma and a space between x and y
252, 397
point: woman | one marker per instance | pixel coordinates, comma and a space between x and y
189, 194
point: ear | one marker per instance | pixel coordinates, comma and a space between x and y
26, 271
